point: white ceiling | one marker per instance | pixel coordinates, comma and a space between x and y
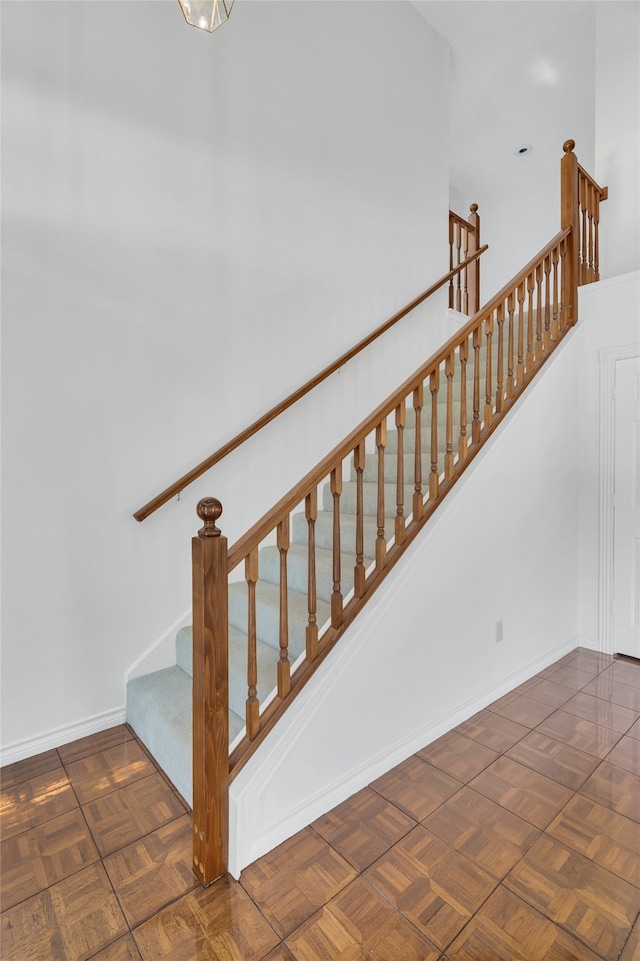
522, 72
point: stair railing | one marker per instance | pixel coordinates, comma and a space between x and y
464, 240
470, 263
451, 406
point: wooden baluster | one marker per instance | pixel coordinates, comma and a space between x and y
401, 419
583, 207
451, 264
381, 543
336, 596
521, 323
252, 709
500, 370
569, 207
465, 291
311, 514
448, 456
463, 439
511, 304
547, 302
555, 256
539, 315
473, 270
596, 247
359, 573
210, 696
418, 403
434, 384
592, 205
564, 316
531, 284
475, 423
458, 261
488, 400
284, 666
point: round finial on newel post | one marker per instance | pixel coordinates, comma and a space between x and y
568, 146
209, 510
473, 208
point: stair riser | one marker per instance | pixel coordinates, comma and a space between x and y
297, 568
268, 615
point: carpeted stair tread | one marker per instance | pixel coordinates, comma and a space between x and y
159, 711
297, 561
268, 614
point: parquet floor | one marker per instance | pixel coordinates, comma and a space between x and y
515, 837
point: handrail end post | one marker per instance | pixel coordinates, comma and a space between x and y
570, 218
473, 270
210, 696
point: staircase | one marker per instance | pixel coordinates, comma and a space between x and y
159, 704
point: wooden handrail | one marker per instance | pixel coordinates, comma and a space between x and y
265, 525
473, 381
257, 425
603, 192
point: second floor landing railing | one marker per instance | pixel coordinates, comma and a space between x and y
464, 240
366, 501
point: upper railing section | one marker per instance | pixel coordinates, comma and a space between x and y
464, 240
468, 264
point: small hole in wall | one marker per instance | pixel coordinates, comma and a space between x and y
525, 148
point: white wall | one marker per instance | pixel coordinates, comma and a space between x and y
618, 132
193, 225
609, 317
423, 656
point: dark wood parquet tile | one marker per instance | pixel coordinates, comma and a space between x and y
567, 675
359, 925
433, 885
492, 837
609, 689
12, 774
554, 759
154, 871
94, 743
524, 792
47, 853
29, 803
218, 923
600, 834
614, 788
593, 662
459, 756
626, 754
123, 816
546, 691
70, 921
522, 709
626, 671
632, 947
601, 712
109, 770
498, 733
363, 827
634, 731
593, 904
290, 883
123, 950
507, 929
416, 787
580, 733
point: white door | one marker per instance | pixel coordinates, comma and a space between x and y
626, 558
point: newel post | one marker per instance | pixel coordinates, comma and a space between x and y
570, 214
473, 270
210, 696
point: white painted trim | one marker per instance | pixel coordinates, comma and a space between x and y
608, 357
62, 735
241, 815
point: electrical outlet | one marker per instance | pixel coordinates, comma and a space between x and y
499, 631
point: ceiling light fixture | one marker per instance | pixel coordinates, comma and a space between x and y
206, 14
524, 149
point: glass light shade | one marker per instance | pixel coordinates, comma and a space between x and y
206, 14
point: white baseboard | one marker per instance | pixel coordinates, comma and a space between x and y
29, 747
246, 846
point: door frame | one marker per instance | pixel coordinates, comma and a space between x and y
608, 357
